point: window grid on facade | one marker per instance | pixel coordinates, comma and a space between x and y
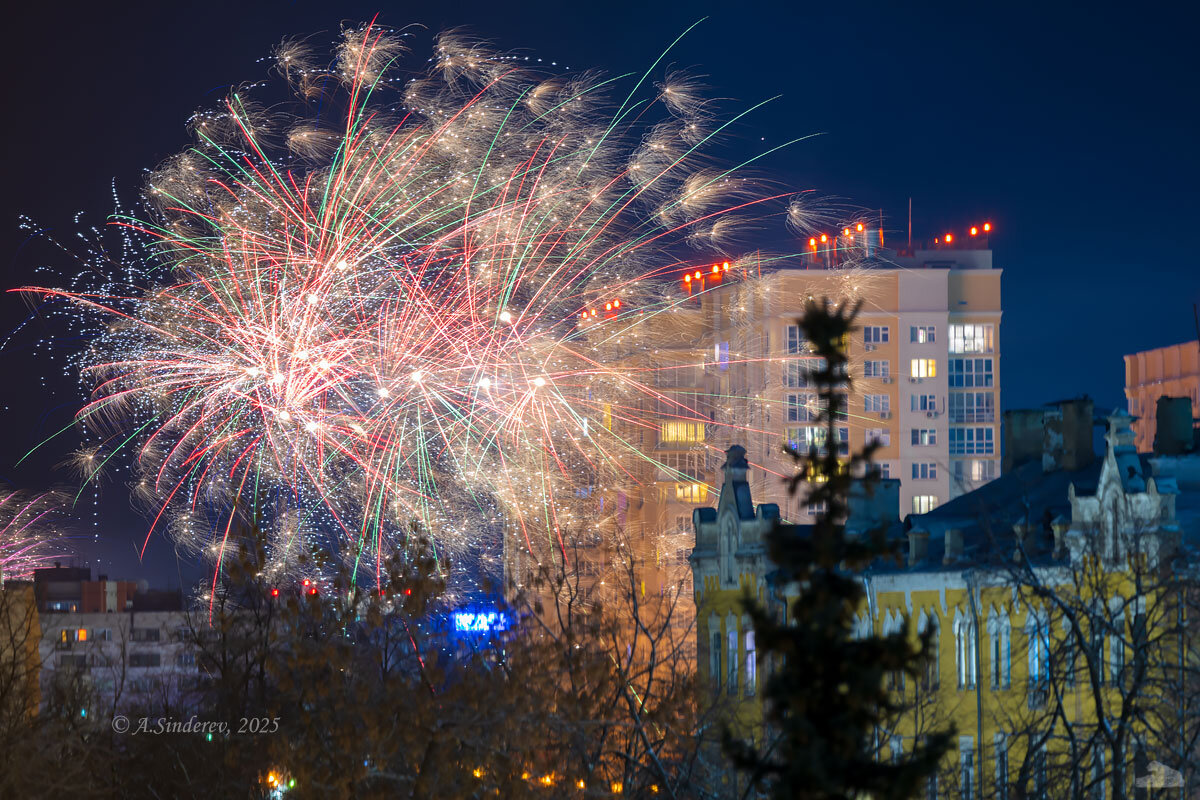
972, 407
972, 338
921, 334
969, 373
924, 503
877, 403
875, 334
923, 402
797, 372
795, 340
751, 664
923, 368
881, 435
924, 471
964, 652
805, 438
689, 465
972, 442
924, 437
876, 368
802, 408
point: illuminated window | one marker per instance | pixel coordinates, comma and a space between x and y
81, 635
804, 439
968, 373
876, 369
924, 437
751, 664
877, 403
972, 407
875, 334
802, 408
682, 431
691, 492
924, 503
921, 334
925, 471
722, 354
972, 441
972, 339
975, 470
924, 368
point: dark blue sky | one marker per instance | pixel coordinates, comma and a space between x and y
1073, 129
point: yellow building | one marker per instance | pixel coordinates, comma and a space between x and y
1065, 651
1166, 372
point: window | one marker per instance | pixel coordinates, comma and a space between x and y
1116, 651
924, 402
797, 372
71, 661
102, 635
896, 746
721, 350
802, 408
1038, 632
877, 369
1040, 779
924, 368
804, 439
187, 659
931, 676
144, 634
972, 407
682, 431
875, 334
972, 442
1001, 767
969, 373
689, 466
976, 470
924, 471
731, 659
931, 787
964, 652
967, 771
145, 659
751, 665
1097, 771
714, 659
795, 340
691, 492
972, 339
1000, 639
881, 435
921, 334
885, 469
924, 503
924, 437
876, 403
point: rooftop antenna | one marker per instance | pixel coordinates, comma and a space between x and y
910, 224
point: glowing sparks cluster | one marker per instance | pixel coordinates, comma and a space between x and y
27, 532
414, 299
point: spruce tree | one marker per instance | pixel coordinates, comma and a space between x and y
825, 696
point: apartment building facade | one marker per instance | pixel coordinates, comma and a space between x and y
1163, 372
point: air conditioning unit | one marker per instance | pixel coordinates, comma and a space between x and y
931, 414
886, 379
914, 380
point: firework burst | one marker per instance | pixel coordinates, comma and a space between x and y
413, 299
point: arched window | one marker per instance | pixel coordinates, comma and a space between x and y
964, 651
932, 672
1000, 649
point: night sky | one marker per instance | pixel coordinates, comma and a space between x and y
1073, 131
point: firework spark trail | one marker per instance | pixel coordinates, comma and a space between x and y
27, 532
397, 321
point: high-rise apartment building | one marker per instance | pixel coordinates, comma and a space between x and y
1165, 372
924, 366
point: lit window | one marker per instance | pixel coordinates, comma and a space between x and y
924, 471
921, 334
875, 334
722, 354
804, 439
968, 373
751, 664
876, 369
972, 339
924, 368
924, 503
924, 437
975, 470
682, 431
81, 635
877, 403
691, 492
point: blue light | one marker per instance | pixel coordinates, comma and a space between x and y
479, 621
